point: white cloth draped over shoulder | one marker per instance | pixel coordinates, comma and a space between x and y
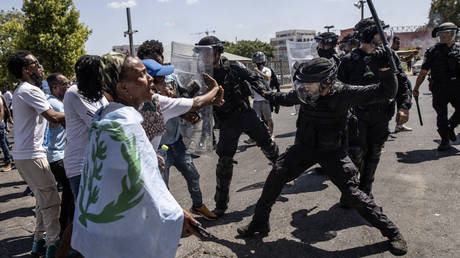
124, 208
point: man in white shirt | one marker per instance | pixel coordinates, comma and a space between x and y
260, 104
31, 110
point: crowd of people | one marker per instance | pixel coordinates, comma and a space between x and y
115, 132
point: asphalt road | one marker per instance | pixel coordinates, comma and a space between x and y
417, 186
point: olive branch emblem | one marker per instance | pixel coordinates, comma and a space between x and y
127, 198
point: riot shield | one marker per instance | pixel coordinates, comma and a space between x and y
190, 63
300, 52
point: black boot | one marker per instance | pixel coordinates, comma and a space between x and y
398, 246
444, 145
254, 229
224, 173
452, 135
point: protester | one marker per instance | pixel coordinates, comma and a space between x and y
31, 110
80, 103
58, 85
3, 141
114, 217
177, 153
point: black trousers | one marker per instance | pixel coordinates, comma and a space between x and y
367, 145
340, 169
442, 96
230, 131
67, 200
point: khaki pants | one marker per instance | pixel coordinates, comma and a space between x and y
37, 174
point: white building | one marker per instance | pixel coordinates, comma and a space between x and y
124, 49
279, 42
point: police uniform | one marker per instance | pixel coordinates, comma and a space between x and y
235, 117
444, 63
321, 138
370, 131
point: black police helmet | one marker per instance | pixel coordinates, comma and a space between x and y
367, 29
443, 27
319, 69
212, 41
327, 38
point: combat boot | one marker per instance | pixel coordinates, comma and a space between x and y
398, 246
224, 173
444, 145
254, 229
452, 135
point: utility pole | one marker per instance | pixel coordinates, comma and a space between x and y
130, 32
360, 5
329, 27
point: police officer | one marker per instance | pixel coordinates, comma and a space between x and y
327, 41
443, 60
360, 67
321, 139
235, 116
348, 43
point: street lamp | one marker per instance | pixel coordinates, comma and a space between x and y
329, 27
360, 5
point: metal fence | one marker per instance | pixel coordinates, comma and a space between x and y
281, 69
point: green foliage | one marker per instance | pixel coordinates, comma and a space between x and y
53, 34
128, 197
444, 11
11, 27
247, 48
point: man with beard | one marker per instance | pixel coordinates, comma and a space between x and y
31, 109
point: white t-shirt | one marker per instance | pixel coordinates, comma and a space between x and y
170, 108
8, 98
257, 96
29, 102
78, 115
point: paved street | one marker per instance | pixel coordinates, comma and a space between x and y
417, 187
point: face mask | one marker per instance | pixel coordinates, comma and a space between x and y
260, 66
326, 53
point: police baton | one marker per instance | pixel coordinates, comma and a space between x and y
382, 36
419, 112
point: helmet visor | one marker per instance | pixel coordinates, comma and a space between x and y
307, 92
445, 36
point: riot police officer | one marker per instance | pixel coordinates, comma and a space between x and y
321, 137
234, 117
348, 43
360, 67
327, 41
443, 60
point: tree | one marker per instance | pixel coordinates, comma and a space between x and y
53, 34
11, 27
444, 11
247, 48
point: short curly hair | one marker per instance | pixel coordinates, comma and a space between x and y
89, 82
17, 61
150, 47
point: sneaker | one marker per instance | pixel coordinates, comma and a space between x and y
252, 229
402, 128
52, 250
444, 145
38, 248
398, 246
7, 167
249, 141
204, 211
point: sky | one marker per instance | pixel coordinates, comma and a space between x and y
183, 20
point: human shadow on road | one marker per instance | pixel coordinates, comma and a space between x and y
7, 197
323, 225
15, 246
419, 156
10, 184
21, 212
309, 181
227, 218
285, 135
256, 247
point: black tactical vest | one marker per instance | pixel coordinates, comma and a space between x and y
445, 66
322, 127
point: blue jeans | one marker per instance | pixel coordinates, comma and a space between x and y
75, 185
4, 144
179, 157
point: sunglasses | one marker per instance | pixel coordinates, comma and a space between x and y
36, 63
67, 84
